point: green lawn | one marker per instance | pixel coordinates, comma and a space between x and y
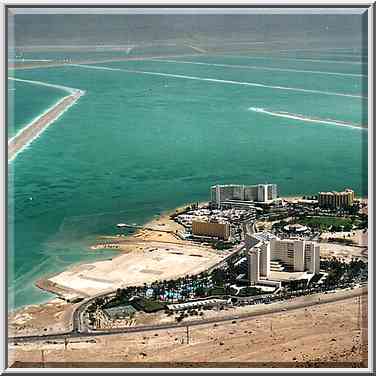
324, 223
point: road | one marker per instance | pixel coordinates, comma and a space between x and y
76, 317
269, 310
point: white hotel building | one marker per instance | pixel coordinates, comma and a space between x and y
255, 193
267, 257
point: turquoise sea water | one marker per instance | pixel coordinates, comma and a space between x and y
26, 101
136, 145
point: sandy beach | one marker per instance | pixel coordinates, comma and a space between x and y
145, 264
144, 257
34, 129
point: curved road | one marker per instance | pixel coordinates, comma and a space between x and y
342, 295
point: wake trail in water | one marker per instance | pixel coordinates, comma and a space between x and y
295, 59
198, 49
357, 58
32, 60
70, 90
253, 84
259, 68
308, 119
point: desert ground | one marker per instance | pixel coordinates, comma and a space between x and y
54, 316
156, 261
327, 335
345, 252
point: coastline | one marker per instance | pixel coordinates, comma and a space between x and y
44, 284
57, 304
143, 257
34, 129
124, 245
159, 221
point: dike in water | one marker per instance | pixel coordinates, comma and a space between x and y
29, 133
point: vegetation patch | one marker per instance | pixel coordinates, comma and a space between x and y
341, 240
325, 223
146, 305
250, 291
340, 272
216, 290
221, 245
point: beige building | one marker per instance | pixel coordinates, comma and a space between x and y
337, 200
211, 229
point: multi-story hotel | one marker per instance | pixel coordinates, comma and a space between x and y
296, 255
211, 229
259, 261
255, 193
275, 255
336, 200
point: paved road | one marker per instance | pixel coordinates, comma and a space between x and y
269, 310
77, 313
76, 317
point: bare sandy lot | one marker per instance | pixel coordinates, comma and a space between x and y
155, 261
359, 237
345, 252
329, 335
144, 257
38, 319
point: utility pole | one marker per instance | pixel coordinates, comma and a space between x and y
359, 313
187, 335
271, 328
359, 324
42, 354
